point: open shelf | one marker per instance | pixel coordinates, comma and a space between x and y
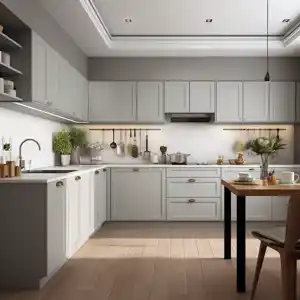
7, 98
7, 43
7, 70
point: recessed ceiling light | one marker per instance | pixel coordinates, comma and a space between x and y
128, 20
208, 20
285, 20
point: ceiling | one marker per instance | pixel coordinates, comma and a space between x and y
179, 27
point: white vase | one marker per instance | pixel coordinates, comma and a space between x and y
65, 160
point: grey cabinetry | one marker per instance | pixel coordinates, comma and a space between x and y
229, 102
202, 97
282, 102
150, 102
112, 101
137, 194
99, 198
298, 102
56, 226
256, 102
176, 97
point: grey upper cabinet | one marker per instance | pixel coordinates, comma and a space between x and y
282, 102
150, 102
229, 102
112, 101
298, 102
177, 97
255, 102
202, 97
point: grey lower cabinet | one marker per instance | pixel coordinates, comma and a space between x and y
100, 197
202, 97
150, 102
137, 194
177, 97
282, 102
229, 102
256, 102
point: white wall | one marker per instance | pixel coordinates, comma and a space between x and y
20, 126
203, 141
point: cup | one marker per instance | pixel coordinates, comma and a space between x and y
289, 177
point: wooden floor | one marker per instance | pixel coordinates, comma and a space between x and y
157, 261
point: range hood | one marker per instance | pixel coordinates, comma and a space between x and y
192, 117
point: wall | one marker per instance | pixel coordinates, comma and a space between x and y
20, 126
203, 141
222, 68
39, 20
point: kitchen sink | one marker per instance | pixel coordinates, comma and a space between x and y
48, 171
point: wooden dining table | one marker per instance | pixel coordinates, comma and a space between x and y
243, 191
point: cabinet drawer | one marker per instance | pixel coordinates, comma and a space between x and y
181, 209
193, 187
193, 172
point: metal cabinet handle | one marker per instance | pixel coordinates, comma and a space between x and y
191, 200
97, 172
59, 183
135, 169
77, 178
191, 180
104, 170
251, 169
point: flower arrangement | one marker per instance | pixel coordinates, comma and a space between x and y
265, 147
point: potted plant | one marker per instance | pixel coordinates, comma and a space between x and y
78, 141
62, 146
265, 147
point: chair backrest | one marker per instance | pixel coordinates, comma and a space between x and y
292, 234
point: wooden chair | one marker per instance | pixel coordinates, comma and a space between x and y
286, 241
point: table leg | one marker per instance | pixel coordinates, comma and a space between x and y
227, 223
241, 244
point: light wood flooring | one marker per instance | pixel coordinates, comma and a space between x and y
157, 261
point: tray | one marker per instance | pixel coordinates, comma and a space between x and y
254, 182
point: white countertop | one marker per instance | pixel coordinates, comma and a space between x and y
48, 177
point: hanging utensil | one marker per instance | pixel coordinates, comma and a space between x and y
103, 139
277, 136
141, 153
129, 146
134, 149
147, 154
113, 144
120, 146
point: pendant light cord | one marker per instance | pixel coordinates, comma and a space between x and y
267, 35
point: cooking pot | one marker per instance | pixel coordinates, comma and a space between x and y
178, 158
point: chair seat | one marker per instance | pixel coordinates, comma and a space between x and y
273, 236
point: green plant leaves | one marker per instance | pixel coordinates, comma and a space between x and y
61, 143
265, 145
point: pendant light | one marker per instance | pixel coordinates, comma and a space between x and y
267, 77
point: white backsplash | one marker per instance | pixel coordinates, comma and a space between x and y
20, 126
203, 141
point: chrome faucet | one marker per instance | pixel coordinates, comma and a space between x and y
21, 161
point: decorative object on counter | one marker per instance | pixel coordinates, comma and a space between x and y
6, 148
147, 153
163, 157
240, 159
4, 171
232, 161
113, 144
78, 141
220, 160
134, 149
265, 147
154, 158
178, 158
11, 168
62, 146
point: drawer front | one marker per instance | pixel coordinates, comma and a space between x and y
201, 209
193, 172
193, 187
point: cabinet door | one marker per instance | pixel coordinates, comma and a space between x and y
202, 97
53, 86
137, 194
282, 102
255, 102
279, 208
100, 198
85, 206
112, 102
177, 97
150, 102
229, 102
39, 69
73, 220
56, 226
298, 102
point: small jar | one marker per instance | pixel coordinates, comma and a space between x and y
265, 181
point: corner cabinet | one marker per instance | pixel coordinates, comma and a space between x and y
138, 194
113, 101
229, 102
